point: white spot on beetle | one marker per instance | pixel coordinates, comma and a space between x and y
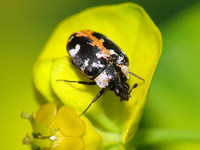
112, 52
94, 64
86, 62
98, 65
103, 79
99, 55
125, 70
120, 59
75, 50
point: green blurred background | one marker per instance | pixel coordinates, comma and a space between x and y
171, 118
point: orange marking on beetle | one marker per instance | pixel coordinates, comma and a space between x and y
95, 41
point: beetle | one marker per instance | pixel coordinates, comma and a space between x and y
102, 61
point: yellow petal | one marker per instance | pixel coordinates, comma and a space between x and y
69, 122
46, 114
93, 141
73, 93
42, 79
132, 30
75, 143
137, 36
144, 54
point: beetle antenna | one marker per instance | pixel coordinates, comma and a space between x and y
137, 76
133, 87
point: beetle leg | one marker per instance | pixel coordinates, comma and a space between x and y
96, 97
137, 76
80, 82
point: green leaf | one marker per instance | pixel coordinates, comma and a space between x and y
132, 30
171, 119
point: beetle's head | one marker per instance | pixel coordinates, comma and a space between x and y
122, 90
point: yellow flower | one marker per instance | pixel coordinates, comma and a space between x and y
130, 27
60, 129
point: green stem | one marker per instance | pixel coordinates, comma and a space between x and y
110, 139
163, 136
104, 122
